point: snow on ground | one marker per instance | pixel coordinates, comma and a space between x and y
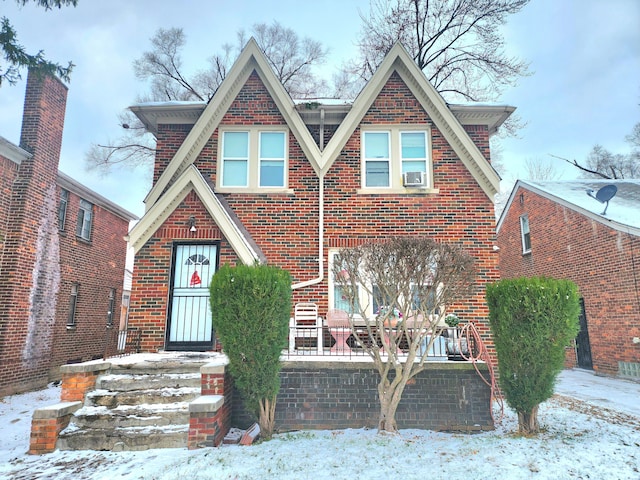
592, 431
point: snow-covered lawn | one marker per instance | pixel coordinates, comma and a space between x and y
582, 440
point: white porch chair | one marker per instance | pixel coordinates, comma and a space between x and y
305, 323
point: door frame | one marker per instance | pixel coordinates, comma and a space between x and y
186, 346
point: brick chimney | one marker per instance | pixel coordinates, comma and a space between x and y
30, 262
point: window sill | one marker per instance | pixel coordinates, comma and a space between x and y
83, 240
397, 191
256, 191
527, 253
71, 328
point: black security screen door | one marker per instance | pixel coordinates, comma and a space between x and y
190, 326
582, 341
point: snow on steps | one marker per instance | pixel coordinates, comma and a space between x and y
135, 408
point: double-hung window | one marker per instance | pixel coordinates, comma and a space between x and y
253, 159
272, 159
525, 234
389, 153
377, 156
85, 217
413, 151
235, 159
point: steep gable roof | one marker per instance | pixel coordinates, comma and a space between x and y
191, 179
397, 60
251, 59
622, 213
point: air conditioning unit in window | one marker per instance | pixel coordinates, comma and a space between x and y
414, 179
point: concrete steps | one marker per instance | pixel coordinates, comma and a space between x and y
136, 407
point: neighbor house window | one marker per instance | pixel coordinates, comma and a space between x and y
62, 208
388, 154
272, 156
85, 217
526, 235
73, 302
253, 159
235, 159
111, 307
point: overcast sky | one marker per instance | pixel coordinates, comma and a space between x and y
584, 54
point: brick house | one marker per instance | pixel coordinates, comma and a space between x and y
253, 176
557, 229
62, 252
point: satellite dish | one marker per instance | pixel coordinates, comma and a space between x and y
603, 195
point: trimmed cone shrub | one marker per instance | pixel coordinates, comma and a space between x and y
532, 321
250, 307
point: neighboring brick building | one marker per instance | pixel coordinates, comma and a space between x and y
62, 252
252, 176
557, 230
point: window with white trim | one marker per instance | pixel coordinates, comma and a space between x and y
253, 159
85, 218
525, 234
388, 153
62, 208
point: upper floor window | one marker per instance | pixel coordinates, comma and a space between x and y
253, 159
62, 208
387, 155
525, 234
85, 217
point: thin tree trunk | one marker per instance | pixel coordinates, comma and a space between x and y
528, 422
267, 420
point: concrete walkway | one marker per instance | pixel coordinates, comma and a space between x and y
613, 393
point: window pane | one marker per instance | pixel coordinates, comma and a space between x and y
272, 173
236, 145
414, 166
377, 174
376, 145
413, 145
234, 173
272, 145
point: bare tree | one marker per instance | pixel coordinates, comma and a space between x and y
457, 43
292, 58
539, 169
411, 281
601, 163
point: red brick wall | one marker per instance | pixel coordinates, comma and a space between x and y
38, 263
599, 259
97, 266
286, 225
30, 271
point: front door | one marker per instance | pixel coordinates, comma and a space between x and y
190, 326
583, 346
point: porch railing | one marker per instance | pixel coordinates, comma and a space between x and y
443, 347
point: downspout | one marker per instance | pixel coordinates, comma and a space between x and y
320, 277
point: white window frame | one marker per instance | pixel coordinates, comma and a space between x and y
396, 184
62, 208
525, 234
379, 160
85, 220
281, 159
253, 161
235, 159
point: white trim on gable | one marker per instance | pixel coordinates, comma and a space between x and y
251, 58
400, 61
191, 179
